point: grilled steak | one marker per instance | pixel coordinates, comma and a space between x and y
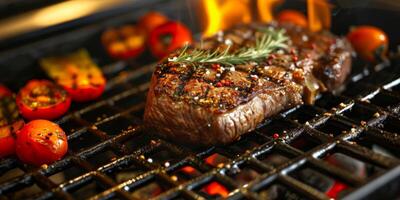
209, 104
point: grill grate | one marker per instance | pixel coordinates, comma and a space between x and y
112, 157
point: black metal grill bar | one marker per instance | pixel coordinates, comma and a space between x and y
385, 136
299, 186
270, 174
336, 172
359, 194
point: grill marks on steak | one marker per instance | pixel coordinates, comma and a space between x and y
213, 104
220, 88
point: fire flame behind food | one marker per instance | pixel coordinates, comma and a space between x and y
223, 14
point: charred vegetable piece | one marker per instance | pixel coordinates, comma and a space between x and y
76, 73
168, 37
292, 16
41, 142
369, 42
125, 42
42, 99
10, 123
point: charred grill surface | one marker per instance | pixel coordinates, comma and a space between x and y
211, 103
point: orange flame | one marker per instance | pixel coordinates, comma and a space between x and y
319, 14
222, 14
265, 8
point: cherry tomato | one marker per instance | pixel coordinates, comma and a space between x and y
168, 37
4, 91
42, 99
41, 142
369, 42
125, 42
10, 123
77, 74
292, 16
151, 20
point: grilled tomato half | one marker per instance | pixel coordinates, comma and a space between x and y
370, 42
151, 20
292, 16
76, 73
10, 123
41, 142
42, 99
125, 42
168, 37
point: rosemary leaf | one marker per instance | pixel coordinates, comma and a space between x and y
271, 40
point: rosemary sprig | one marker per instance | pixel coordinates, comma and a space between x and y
270, 41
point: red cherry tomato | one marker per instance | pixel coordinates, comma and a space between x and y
125, 42
42, 99
4, 91
10, 123
168, 37
292, 16
41, 142
369, 42
151, 20
76, 73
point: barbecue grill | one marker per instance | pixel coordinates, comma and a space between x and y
112, 156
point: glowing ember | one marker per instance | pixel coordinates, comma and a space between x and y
215, 188
335, 190
211, 159
188, 170
216, 160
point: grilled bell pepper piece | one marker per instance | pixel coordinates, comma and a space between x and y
125, 42
77, 73
168, 37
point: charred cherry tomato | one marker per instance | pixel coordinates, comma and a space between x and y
10, 123
151, 20
77, 74
369, 42
168, 37
4, 91
126, 42
41, 142
292, 16
42, 99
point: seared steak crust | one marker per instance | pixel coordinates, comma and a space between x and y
208, 104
